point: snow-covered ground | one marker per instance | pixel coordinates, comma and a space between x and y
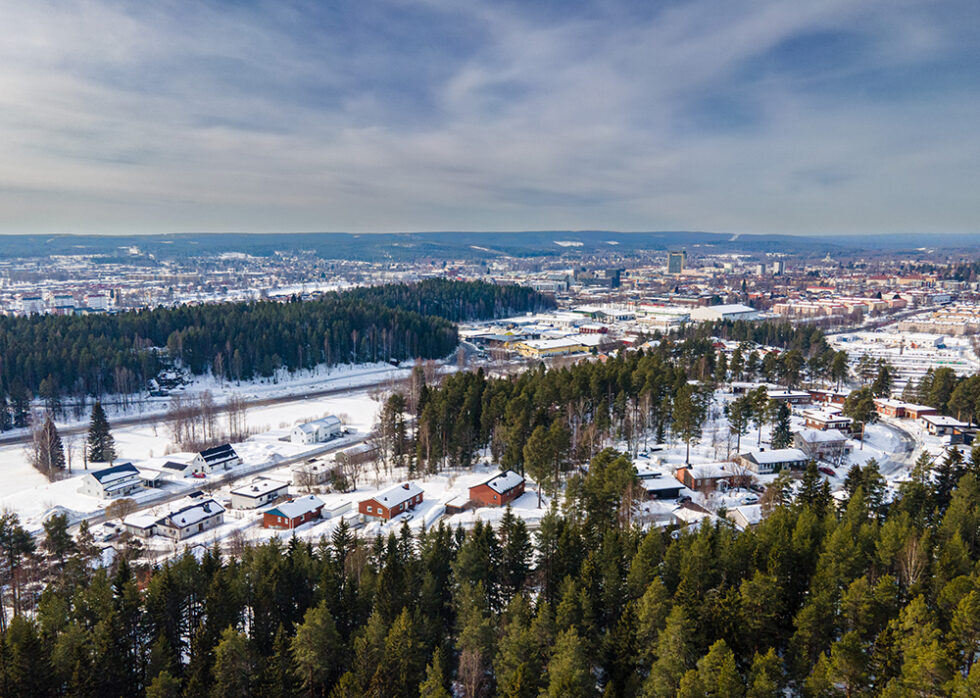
29, 493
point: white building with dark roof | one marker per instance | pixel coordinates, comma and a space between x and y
116, 481
192, 517
220, 457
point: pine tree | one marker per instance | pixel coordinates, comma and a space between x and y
164, 685
569, 671
316, 650
234, 665
782, 436
101, 445
434, 685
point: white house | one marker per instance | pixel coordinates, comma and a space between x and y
941, 425
820, 444
773, 461
218, 458
116, 481
259, 492
176, 469
193, 517
141, 524
317, 431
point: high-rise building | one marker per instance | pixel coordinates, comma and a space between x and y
676, 261
778, 267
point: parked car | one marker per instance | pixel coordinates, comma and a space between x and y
200, 476
827, 471
758, 489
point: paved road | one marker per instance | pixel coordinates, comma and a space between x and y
900, 459
190, 485
150, 418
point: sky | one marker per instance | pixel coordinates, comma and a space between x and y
756, 116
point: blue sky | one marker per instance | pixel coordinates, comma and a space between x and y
828, 116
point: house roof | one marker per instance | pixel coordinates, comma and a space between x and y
192, 514
776, 455
116, 472
218, 453
814, 436
174, 465
297, 506
259, 487
941, 420
312, 426
503, 481
394, 496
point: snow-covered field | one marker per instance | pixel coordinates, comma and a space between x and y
29, 493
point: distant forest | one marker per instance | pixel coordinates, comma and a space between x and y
59, 356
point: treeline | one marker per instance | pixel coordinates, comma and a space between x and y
455, 301
870, 598
785, 335
54, 357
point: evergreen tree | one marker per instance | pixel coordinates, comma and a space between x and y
234, 665
101, 445
782, 436
435, 684
569, 674
316, 650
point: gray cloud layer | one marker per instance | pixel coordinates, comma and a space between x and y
759, 116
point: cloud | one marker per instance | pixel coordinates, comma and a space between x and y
767, 116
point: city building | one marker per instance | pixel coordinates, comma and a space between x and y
676, 262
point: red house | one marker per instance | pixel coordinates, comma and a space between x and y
499, 490
392, 502
293, 513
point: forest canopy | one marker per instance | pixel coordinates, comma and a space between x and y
51, 356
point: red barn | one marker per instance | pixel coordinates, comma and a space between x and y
293, 513
499, 490
392, 502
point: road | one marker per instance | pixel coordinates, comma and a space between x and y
237, 473
902, 459
155, 416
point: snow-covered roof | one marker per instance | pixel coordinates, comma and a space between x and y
116, 472
731, 308
710, 470
310, 427
813, 436
397, 494
192, 514
140, 520
776, 455
297, 507
826, 416
504, 481
941, 420
752, 513
259, 487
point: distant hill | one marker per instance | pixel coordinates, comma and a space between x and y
456, 245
